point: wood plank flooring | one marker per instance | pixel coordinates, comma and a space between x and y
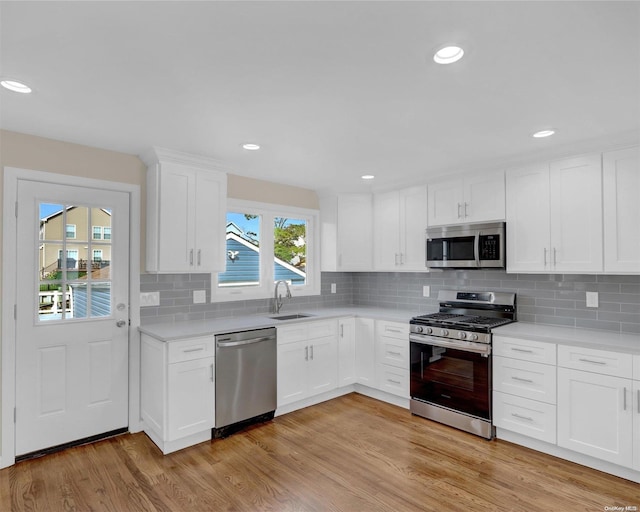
350, 454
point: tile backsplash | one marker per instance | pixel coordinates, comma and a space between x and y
558, 299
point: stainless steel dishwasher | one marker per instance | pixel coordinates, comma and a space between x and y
246, 379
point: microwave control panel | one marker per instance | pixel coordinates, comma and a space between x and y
489, 247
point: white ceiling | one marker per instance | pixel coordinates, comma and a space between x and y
331, 90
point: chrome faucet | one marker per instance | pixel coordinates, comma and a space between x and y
277, 301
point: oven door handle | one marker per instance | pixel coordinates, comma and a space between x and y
478, 348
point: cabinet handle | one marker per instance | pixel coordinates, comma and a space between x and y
526, 351
545, 257
522, 380
187, 350
342, 330
394, 381
212, 375
554, 258
395, 258
519, 416
394, 353
459, 206
465, 210
199, 256
306, 353
592, 361
191, 257
401, 258
311, 353
624, 401
394, 330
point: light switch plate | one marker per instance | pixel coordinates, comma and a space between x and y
592, 299
199, 296
333, 287
149, 299
426, 291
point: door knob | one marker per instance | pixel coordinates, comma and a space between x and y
121, 323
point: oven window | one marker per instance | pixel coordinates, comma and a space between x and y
451, 378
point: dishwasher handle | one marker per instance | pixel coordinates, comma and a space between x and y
225, 344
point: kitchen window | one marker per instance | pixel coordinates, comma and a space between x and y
265, 244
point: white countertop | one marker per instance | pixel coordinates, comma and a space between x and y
195, 328
591, 338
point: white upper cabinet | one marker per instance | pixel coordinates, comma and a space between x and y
186, 212
477, 198
621, 202
399, 224
554, 217
347, 232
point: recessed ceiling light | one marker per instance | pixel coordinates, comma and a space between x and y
543, 133
251, 147
15, 86
448, 55
367, 176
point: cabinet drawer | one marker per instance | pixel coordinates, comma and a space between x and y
393, 380
393, 352
322, 329
591, 360
529, 417
526, 350
292, 333
190, 349
392, 329
522, 378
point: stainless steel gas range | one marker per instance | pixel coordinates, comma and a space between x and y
450, 358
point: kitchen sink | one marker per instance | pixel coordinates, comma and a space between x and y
290, 317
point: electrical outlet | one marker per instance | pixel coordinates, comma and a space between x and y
199, 296
333, 287
592, 299
426, 291
149, 299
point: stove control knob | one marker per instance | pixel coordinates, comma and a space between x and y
462, 335
474, 337
428, 330
419, 328
444, 332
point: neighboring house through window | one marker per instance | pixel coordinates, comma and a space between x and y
71, 231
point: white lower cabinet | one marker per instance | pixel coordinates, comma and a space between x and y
392, 357
595, 416
346, 351
177, 391
365, 352
524, 388
307, 360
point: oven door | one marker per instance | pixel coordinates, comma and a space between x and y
448, 375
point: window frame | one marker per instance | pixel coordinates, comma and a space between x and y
268, 213
67, 231
96, 230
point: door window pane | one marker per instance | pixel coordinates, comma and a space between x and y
74, 262
243, 251
290, 250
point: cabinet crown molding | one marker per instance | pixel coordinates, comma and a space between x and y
157, 155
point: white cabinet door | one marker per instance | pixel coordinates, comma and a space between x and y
346, 351
355, 232
528, 205
595, 415
412, 228
635, 399
386, 222
191, 396
292, 372
484, 197
210, 219
365, 352
621, 190
323, 365
445, 203
576, 214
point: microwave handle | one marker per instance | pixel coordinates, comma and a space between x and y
476, 250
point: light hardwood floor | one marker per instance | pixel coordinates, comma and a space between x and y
350, 454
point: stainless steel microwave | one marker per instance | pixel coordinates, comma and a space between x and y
467, 246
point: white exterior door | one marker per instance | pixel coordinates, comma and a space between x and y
72, 314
